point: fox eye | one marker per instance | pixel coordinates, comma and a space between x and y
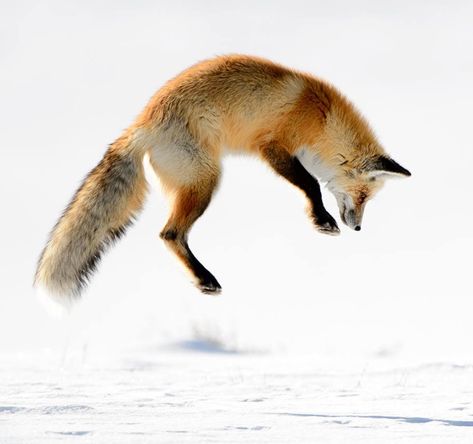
372, 179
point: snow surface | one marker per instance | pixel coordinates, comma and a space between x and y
201, 393
362, 338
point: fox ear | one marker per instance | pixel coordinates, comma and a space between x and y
385, 165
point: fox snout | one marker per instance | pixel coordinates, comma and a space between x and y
349, 218
350, 213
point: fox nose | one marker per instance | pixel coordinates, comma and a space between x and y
357, 228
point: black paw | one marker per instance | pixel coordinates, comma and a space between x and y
326, 224
209, 285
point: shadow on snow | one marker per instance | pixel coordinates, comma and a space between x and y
203, 346
406, 419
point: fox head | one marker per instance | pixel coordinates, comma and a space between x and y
354, 186
347, 156
353, 182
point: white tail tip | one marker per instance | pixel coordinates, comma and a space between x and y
57, 306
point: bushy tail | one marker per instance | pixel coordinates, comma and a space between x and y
102, 208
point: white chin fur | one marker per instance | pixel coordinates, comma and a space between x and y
56, 306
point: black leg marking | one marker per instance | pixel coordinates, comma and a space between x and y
206, 280
169, 235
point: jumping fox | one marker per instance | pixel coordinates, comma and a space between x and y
301, 126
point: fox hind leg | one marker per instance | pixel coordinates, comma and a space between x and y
189, 171
189, 204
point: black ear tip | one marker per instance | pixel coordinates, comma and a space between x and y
402, 170
390, 165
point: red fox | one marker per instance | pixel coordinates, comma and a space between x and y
300, 125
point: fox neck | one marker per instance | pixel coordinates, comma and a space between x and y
315, 165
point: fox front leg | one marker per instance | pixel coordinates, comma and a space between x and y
292, 170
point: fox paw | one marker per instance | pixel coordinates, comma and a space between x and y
327, 225
209, 286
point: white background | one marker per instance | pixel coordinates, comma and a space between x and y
398, 293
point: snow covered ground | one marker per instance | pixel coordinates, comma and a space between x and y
362, 338
200, 393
